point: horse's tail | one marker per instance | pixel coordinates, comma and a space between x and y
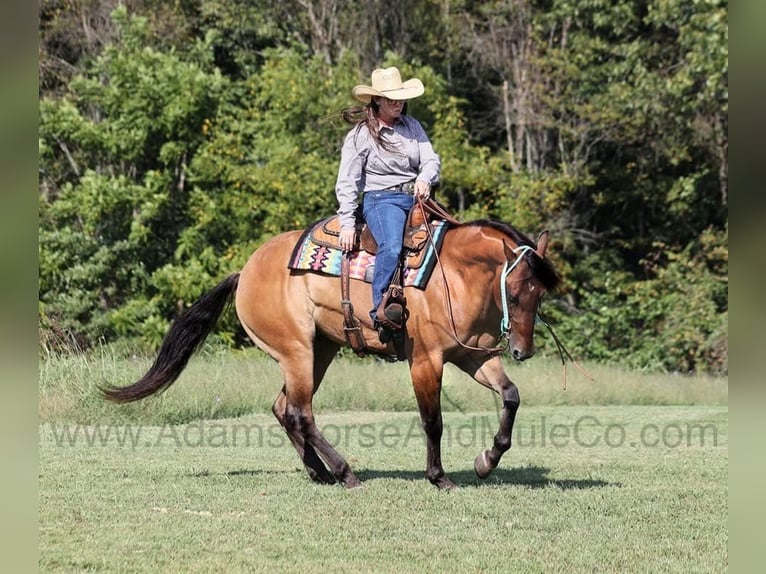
186, 334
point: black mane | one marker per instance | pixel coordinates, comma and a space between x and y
541, 268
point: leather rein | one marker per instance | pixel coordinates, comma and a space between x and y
505, 325
353, 328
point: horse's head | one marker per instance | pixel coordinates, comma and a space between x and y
526, 277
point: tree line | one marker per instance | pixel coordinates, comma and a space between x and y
174, 138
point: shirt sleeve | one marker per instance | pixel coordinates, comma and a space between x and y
430, 163
350, 178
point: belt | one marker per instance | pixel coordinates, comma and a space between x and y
406, 187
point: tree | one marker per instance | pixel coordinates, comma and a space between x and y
176, 140
115, 159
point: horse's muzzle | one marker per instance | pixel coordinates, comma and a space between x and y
522, 355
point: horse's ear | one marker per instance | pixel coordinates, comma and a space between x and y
542, 244
509, 254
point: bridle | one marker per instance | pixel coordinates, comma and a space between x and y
506, 321
508, 267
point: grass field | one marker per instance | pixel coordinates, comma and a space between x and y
625, 474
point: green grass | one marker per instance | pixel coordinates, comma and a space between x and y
192, 498
627, 473
230, 384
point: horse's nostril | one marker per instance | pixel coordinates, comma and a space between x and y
520, 355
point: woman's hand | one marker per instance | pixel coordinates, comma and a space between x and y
347, 239
422, 189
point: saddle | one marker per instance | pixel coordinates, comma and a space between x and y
327, 234
392, 312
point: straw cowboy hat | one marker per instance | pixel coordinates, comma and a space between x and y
388, 84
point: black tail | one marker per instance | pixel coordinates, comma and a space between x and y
185, 336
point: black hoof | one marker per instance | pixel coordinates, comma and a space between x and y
443, 483
320, 478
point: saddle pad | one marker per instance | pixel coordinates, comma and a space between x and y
309, 255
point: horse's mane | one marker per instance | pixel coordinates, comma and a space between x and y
541, 268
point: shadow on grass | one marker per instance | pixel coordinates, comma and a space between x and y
528, 476
255, 472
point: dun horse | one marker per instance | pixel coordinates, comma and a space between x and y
487, 287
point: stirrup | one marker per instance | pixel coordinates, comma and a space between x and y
393, 317
388, 336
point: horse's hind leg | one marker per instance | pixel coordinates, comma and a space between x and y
300, 418
324, 352
294, 412
315, 468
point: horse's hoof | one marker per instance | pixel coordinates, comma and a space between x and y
446, 484
351, 481
482, 466
324, 478
441, 481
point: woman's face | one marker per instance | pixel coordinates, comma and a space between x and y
389, 110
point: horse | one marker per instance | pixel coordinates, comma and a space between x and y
487, 289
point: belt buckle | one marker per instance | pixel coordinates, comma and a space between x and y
409, 187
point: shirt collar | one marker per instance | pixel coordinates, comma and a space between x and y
398, 122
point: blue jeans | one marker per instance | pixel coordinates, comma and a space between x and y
386, 215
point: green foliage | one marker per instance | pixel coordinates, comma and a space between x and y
114, 155
676, 320
192, 133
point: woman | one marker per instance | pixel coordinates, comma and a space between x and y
388, 158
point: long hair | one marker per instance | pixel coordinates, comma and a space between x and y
367, 115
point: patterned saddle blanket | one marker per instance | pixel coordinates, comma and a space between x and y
317, 250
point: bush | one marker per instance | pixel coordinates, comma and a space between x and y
676, 320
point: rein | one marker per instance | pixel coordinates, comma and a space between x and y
562, 352
505, 323
489, 350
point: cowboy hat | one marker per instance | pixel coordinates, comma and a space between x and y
388, 83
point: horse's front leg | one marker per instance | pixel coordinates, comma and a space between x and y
490, 373
426, 381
